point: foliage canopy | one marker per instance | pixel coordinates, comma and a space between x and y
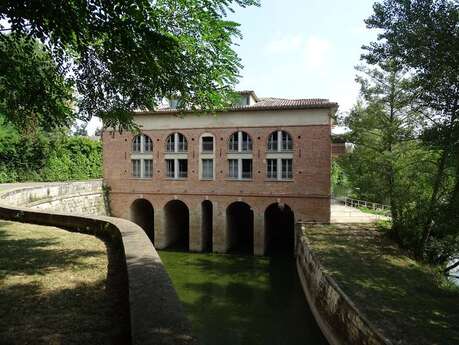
127, 55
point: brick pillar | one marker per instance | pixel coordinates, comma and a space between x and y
258, 232
219, 241
160, 230
195, 241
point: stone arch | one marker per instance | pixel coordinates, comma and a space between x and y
206, 225
279, 230
177, 225
142, 213
239, 228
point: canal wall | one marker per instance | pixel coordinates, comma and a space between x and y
337, 316
156, 314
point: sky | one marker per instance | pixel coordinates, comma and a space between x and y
301, 48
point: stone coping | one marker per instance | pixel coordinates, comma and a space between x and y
156, 314
338, 317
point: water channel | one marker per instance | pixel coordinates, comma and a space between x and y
242, 300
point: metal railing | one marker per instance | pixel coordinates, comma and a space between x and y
363, 203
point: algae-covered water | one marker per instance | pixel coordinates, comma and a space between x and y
242, 300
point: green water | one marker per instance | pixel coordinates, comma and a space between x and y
242, 300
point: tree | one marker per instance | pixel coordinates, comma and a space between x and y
33, 91
389, 164
128, 55
423, 36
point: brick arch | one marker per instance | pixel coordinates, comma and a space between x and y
279, 229
239, 228
142, 213
176, 225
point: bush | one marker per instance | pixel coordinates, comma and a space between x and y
47, 157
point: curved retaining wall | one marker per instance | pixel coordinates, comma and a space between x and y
157, 316
339, 319
83, 197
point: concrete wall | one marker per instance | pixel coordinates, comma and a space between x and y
157, 316
339, 319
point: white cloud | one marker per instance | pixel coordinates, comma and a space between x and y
285, 44
316, 52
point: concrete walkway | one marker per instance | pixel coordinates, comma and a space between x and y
346, 214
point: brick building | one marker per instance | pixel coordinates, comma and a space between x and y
236, 181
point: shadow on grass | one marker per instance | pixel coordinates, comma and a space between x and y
242, 300
400, 296
96, 312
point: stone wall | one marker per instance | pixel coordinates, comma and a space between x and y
82, 197
157, 316
339, 319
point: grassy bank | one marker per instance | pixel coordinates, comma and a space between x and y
54, 288
408, 301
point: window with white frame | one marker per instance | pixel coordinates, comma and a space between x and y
142, 144
279, 168
141, 156
148, 168
176, 156
246, 172
233, 143
136, 168
182, 168
287, 169
240, 169
207, 169
280, 141
272, 168
233, 168
170, 168
207, 144
176, 168
176, 142
137, 143
240, 142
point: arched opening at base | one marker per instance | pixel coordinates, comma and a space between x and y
176, 225
142, 213
206, 225
239, 225
279, 230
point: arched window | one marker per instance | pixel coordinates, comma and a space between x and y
142, 143
176, 142
280, 141
141, 157
240, 142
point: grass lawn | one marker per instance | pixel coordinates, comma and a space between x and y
408, 301
54, 288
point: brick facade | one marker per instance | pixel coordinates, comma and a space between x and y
306, 194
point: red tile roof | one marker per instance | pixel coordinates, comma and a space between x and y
269, 103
